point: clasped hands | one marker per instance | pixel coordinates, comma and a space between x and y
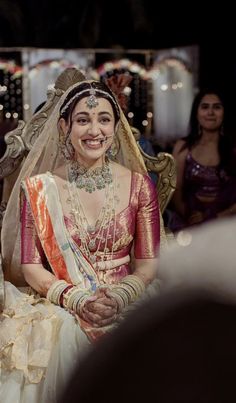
100, 309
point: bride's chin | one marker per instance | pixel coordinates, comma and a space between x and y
92, 155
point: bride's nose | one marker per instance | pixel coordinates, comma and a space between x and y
94, 129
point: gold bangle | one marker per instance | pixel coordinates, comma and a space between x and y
55, 291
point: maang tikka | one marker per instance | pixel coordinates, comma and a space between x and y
92, 100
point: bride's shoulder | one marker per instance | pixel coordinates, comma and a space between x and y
60, 172
120, 170
124, 173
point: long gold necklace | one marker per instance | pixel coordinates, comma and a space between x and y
94, 238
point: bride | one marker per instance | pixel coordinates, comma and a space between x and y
83, 240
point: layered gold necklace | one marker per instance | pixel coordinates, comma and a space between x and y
94, 238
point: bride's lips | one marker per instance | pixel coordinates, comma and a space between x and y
94, 143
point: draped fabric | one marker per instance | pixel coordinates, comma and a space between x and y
137, 223
46, 156
40, 342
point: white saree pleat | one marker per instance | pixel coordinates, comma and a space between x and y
71, 347
39, 345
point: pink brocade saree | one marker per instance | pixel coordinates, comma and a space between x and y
138, 224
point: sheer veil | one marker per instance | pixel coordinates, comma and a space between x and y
45, 156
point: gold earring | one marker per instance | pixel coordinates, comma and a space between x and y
113, 149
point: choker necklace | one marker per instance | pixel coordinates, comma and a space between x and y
89, 179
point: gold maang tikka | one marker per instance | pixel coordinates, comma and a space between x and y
92, 100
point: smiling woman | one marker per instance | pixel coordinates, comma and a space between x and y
206, 181
81, 214
90, 129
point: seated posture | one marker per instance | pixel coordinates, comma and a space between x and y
84, 218
206, 180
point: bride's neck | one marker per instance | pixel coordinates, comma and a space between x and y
90, 165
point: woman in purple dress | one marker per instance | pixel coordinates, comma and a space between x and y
206, 180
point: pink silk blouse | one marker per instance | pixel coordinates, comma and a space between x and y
138, 225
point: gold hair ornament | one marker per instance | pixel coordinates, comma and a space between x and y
92, 101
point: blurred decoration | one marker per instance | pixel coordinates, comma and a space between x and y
11, 95
155, 88
174, 82
133, 95
119, 84
10, 90
43, 66
10, 66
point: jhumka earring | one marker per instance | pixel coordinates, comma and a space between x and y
113, 149
69, 151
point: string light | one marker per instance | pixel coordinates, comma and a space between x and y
10, 88
164, 87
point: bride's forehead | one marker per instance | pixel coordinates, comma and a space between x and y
102, 103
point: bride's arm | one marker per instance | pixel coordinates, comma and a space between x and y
33, 258
147, 233
146, 269
38, 277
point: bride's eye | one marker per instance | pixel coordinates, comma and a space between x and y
82, 121
105, 120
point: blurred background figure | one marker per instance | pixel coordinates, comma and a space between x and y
179, 347
202, 256
206, 171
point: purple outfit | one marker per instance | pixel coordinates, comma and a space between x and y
207, 189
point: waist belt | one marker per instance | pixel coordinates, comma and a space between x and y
112, 264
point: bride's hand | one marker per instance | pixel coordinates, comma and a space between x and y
101, 311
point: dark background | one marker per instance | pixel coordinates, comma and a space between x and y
129, 24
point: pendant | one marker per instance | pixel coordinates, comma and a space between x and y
92, 245
92, 258
91, 229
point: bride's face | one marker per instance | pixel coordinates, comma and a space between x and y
92, 130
